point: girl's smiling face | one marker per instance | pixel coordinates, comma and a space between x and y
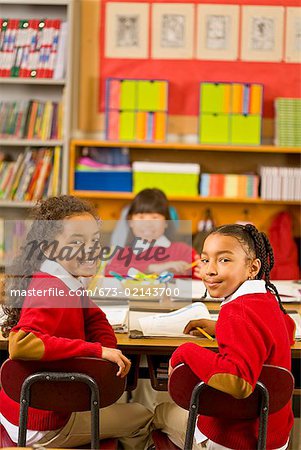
225, 265
148, 226
79, 245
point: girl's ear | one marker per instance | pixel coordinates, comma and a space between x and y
254, 268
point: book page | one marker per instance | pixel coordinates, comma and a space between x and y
173, 323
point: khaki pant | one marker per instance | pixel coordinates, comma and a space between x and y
129, 422
172, 420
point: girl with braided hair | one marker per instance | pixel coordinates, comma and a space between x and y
252, 329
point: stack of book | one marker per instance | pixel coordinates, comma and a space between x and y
288, 122
229, 185
34, 175
32, 48
33, 119
280, 183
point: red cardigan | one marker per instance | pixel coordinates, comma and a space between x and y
251, 331
125, 258
75, 327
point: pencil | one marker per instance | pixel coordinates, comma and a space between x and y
205, 333
193, 264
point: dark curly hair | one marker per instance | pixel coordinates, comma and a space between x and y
258, 246
46, 224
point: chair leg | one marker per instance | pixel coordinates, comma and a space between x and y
263, 416
193, 414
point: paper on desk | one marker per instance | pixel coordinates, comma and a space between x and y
117, 316
173, 323
297, 319
187, 289
289, 291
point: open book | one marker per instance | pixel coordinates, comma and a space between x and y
172, 324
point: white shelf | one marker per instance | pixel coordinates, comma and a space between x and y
20, 80
42, 89
30, 142
35, 2
16, 204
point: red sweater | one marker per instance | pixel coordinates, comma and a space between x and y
251, 331
75, 327
125, 258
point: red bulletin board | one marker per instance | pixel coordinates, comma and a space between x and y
279, 79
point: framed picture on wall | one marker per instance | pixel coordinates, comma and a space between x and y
172, 31
126, 30
262, 33
293, 35
217, 32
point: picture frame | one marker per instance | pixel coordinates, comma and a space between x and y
217, 32
293, 35
262, 33
126, 30
172, 30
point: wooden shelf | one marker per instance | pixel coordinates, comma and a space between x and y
187, 147
177, 198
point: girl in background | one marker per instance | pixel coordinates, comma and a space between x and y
151, 250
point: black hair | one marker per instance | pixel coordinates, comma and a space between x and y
150, 201
258, 246
47, 218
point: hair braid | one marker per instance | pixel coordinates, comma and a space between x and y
264, 252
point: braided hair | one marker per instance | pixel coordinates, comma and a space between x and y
257, 243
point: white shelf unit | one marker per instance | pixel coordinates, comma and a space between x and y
41, 89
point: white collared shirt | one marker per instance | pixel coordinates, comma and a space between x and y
141, 245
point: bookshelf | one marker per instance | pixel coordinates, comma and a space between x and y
41, 89
23, 89
213, 159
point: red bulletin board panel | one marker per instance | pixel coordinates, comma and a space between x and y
279, 79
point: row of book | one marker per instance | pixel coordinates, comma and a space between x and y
229, 185
33, 48
288, 121
280, 183
34, 175
33, 119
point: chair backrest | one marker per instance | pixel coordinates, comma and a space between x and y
63, 396
278, 381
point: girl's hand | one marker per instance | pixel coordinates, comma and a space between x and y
173, 266
206, 324
116, 356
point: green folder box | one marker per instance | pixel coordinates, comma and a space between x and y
214, 129
127, 125
181, 184
212, 97
145, 96
245, 129
128, 95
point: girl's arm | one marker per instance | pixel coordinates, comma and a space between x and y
97, 327
36, 336
237, 366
